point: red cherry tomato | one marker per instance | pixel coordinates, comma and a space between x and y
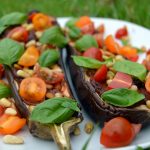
134, 58
101, 74
117, 132
121, 33
121, 80
93, 53
1, 110
19, 34
1, 71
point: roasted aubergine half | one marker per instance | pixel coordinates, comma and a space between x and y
105, 73
29, 51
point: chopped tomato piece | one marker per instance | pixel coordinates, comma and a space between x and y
147, 84
93, 53
19, 34
100, 39
117, 132
121, 32
134, 58
88, 29
32, 89
41, 21
11, 124
101, 29
1, 71
1, 110
121, 80
55, 78
111, 45
101, 74
84, 20
30, 57
128, 52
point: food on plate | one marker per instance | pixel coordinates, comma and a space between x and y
106, 74
29, 52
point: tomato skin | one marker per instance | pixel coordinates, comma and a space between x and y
93, 53
117, 132
100, 39
19, 34
88, 29
121, 80
1, 71
121, 33
134, 58
1, 110
101, 74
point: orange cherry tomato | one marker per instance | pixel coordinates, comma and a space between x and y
101, 74
111, 45
19, 34
128, 51
93, 53
84, 20
11, 124
1, 71
32, 89
41, 21
121, 32
117, 132
147, 84
30, 57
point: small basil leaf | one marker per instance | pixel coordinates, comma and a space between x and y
13, 19
87, 62
74, 32
53, 36
132, 68
5, 91
10, 51
122, 97
125, 42
85, 42
48, 58
2, 29
54, 110
71, 22
139, 50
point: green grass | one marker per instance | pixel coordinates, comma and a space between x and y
137, 11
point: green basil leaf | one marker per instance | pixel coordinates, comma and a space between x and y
48, 58
13, 19
85, 42
122, 97
10, 51
74, 32
5, 91
70, 23
139, 50
53, 36
55, 110
132, 68
87, 62
125, 42
2, 29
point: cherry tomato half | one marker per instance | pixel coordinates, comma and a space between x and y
93, 53
117, 132
100, 39
101, 74
121, 33
19, 34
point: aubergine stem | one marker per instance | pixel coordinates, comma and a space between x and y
60, 133
23, 110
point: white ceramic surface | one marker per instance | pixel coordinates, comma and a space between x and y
139, 37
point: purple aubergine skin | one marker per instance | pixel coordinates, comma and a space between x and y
98, 109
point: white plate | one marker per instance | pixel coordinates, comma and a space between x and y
139, 37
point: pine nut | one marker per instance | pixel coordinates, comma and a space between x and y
89, 126
119, 57
22, 73
58, 95
49, 95
148, 103
10, 111
31, 107
38, 34
31, 43
108, 81
5, 102
110, 75
134, 87
11, 139
77, 131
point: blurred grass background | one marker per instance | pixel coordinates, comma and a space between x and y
137, 11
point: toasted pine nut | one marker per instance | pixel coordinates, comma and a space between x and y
76, 131
148, 103
5, 102
38, 34
58, 94
134, 87
109, 81
89, 126
31, 43
11, 139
